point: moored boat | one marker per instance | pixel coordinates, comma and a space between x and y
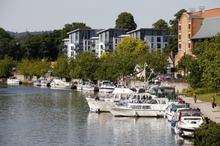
13, 81
106, 86
107, 100
59, 84
141, 108
186, 121
85, 86
173, 108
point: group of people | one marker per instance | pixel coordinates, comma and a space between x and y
213, 100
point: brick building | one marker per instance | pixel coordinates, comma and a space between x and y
196, 25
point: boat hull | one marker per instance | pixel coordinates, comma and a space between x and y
125, 112
99, 105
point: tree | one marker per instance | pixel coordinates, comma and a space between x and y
128, 54
106, 69
174, 22
185, 63
30, 68
5, 40
161, 24
61, 67
86, 66
6, 65
125, 21
204, 71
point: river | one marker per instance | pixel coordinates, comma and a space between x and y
41, 116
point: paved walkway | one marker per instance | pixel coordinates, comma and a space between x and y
206, 109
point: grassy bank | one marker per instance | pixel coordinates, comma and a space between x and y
203, 94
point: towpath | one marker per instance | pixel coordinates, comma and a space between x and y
206, 108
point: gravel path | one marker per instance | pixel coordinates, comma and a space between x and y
206, 108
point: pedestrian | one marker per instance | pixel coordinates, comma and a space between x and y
195, 98
213, 101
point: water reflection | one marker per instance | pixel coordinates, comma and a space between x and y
35, 116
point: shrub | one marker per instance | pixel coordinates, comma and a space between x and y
208, 135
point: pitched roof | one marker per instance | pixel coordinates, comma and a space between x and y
210, 27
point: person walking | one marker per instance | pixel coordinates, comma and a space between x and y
195, 98
213, 101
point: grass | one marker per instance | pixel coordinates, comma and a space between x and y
208, 97
203, 94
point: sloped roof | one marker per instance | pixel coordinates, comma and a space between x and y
210, 27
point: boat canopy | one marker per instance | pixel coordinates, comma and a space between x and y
122, 91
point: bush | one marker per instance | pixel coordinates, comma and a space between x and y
208, 135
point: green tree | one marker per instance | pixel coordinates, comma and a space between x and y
61, 67
128, 54
30, 68
106, 69
6, 65
185, 63
174, 22
161, 24
86, 66
125, 21
5, 40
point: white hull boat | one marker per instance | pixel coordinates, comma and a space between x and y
100, 105
106, 87
185, 122
59, 84
86, 86
13, 81
127, 112
154, 108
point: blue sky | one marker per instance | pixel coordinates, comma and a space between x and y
37, 15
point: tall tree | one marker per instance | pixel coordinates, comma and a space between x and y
128, 54
161, 24
6, 65
125, 21
174, 21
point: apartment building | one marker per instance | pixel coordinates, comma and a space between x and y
193, 26
106, 39
155, 39
80, 41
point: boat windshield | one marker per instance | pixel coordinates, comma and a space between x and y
194, 119
178, 106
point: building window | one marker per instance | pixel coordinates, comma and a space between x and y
189, 26
189, 35
179, 36
179, 27
152, 45
189, 45
152, 39
158, 46
158, 39
179, 46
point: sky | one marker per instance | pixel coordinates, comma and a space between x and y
42, 15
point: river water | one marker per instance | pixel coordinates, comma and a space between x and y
36, 116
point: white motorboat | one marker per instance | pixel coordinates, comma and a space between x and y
138, 108
59, 84
13, 81
100, 104
36, 83
173, 108
41, 83
86, 86
186, 121
105, 103
107, 87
